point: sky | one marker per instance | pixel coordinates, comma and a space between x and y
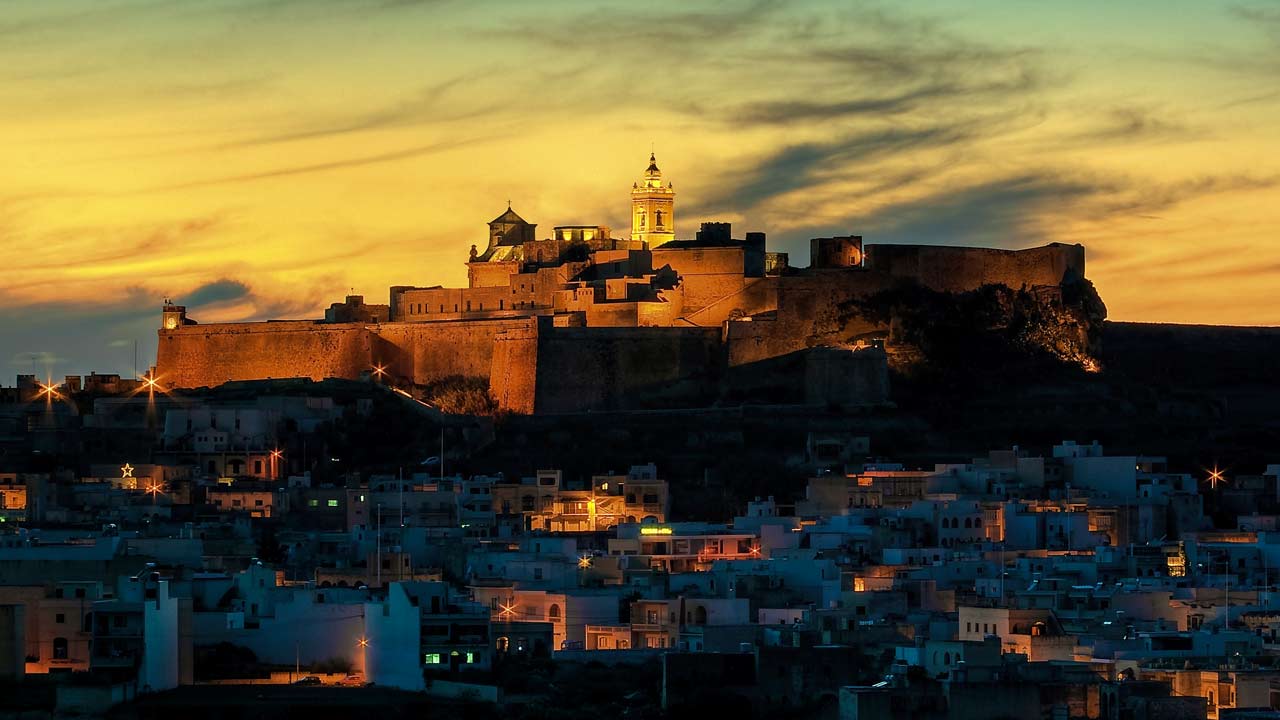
258, 159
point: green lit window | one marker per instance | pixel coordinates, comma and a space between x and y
333, 503
432, 659
312, 503
471, 657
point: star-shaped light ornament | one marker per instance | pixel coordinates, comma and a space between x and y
126, 471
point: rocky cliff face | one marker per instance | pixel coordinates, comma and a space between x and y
994, 327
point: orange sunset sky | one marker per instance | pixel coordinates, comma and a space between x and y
257, 159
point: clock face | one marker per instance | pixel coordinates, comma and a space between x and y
171, 323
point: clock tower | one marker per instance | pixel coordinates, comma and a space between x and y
653, 217
175, 316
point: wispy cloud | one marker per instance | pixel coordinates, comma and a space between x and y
341, 164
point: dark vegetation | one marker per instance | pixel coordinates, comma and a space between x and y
458, 395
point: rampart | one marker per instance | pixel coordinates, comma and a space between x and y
426, 352
956, 269
623, 368
209, 355
807, 315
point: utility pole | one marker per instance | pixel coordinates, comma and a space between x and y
377, 557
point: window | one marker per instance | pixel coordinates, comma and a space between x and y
258, 503
79, 592
60, 648
553, 612
119, 621
313, 503
471, 658
537, 573
431, 659
60, 618
257, 467
333, 503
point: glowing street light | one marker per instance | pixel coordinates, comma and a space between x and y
584, 562
275, 456
1215, 477
154, 489
379, 371
506, 611
364, 642
50, 393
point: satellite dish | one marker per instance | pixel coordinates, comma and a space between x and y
433, 460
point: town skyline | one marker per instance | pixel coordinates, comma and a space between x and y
267, 159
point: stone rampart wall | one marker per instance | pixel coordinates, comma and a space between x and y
209, 355
956, 269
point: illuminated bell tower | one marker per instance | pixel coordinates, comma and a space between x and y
653, 218
175, 316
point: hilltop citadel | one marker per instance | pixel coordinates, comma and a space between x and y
584, 320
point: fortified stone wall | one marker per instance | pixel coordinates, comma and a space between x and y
707, 274
807, 315
209, 355
956, 269
424, 353
621, 368
757, 295
513, 371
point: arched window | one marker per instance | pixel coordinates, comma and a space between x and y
526, 503
977, 522
700, 615
967, 523
59, 648
553, 612
946, 658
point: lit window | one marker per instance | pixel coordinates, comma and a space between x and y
312, 503
432, 659
471, 658
333, 503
